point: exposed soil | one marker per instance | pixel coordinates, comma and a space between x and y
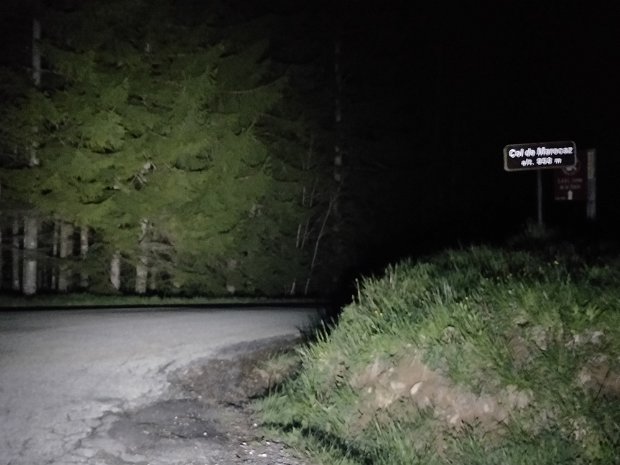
382, 384
208, 412
237, 374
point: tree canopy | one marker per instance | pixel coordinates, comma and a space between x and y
168, 134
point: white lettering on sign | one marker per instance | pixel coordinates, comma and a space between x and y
544, 161
539, 155
514, 153
554, 151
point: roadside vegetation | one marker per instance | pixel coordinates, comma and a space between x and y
73, 300
479, 356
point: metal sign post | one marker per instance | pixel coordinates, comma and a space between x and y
538, 156
591, 199
539, 197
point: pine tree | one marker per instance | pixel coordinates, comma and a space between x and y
168, 136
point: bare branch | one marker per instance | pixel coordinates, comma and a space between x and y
332, 200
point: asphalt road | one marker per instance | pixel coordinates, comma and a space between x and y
68, 378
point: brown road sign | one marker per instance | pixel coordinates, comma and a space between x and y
571, 183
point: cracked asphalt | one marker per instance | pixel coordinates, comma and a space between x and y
98, 386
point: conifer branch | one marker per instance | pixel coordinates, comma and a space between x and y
252, 90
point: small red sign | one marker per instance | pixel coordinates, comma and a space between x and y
571, 183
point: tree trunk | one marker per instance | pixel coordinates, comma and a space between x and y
1, 256
1, 248
153, 280
115, 270
29, 279
330, 206
41, 276
339, 162
338, 146
66, 250
36, 79
83, 254
142, 270
54, 270
15, 282
36, 52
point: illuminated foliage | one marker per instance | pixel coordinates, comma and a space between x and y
150, 116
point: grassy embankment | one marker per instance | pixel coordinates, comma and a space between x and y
482, 356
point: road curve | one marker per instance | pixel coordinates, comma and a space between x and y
63, 373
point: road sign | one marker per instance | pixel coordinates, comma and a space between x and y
578, 183
540, 155
569, 184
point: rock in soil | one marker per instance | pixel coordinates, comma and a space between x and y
206, 415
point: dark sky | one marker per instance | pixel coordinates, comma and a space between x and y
463, 79
500, 69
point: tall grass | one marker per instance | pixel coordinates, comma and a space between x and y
535, 335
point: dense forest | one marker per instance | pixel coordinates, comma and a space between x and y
162, 147
265, 148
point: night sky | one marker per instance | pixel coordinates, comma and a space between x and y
462, 81
444, 86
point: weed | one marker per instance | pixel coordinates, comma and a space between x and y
478, 356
